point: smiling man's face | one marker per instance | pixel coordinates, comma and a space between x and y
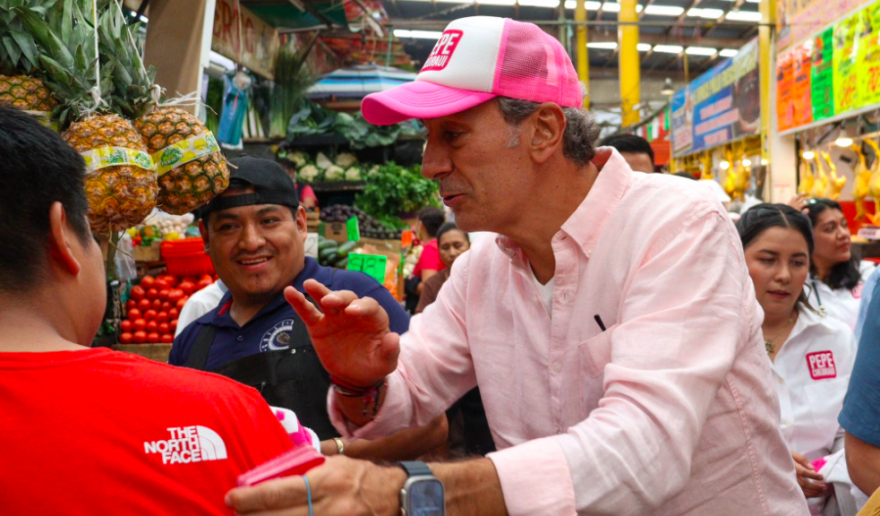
256, 250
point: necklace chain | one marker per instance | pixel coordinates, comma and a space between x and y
768, 343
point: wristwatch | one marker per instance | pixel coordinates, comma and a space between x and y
422, 494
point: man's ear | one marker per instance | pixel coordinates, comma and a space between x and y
302, 225
60, 240
204, 232
547, 130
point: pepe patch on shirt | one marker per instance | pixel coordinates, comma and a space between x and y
821, 364
857, 291
278, 337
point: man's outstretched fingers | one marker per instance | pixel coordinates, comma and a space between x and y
363, 307
316, 289
338, 300
274, 494
302, 306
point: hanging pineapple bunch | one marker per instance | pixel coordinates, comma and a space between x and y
191, 168
121, 180
19, 58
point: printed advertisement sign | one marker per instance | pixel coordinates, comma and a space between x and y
822, 75
261, 42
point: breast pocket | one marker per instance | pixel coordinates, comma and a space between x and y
826, 401
592, 356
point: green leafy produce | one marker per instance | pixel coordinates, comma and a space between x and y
310, 119
392, 190
292, 79
361, 134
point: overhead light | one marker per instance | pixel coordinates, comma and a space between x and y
539, 3
808, 155
747, 16
747, 163
613, 7
603, 45
724, 165
664, 10
700, 51
843, 141
668, 49
668, 89
643, 47
710, 14
754, 1
729, 52
496, 2
417, 34
590, 5
765, 161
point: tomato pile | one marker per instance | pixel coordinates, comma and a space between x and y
154, 307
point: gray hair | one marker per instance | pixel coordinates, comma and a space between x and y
580, 134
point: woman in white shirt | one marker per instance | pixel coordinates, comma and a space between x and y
811, 354
836, 276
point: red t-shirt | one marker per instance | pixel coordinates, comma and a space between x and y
429, 259
101, 432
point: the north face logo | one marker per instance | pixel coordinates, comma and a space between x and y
188, 444
443, 50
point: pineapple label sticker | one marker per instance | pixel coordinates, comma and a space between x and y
184, 151
103, 157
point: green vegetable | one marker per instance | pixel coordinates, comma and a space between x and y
392, 190
346, 248
327, 254
326, 244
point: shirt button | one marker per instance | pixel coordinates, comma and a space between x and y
557, 366
240, 338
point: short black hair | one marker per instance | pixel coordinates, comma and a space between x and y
450, 226
38, 169
843, 274
432, 218
629, 143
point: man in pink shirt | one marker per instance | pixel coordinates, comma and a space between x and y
612, 327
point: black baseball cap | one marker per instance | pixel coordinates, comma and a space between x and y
269, 180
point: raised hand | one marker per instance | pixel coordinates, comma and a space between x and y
350, 334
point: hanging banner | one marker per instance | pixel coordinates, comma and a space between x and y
682, 121
260, 39
801, 96
846, 53
726, 103
784, 90
868, 62
822, 75
797, 20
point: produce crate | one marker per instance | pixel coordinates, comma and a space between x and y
187, 257
157, 352
150, 253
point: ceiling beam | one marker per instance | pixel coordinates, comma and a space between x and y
662, 39
731, 7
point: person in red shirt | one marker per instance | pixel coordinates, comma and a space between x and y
93, 431
429, 264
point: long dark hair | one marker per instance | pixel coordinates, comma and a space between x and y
762, 217
843, 274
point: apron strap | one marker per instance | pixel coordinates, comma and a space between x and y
198, 355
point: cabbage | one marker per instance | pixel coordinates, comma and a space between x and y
334, 173
346, 159
353, 174
323, 161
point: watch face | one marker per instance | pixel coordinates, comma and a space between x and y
426, 498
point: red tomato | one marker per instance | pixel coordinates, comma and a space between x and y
163, 294
207, 277
167, 306
157, 304
173, 325
180, 303
139, 325
125, 326
152, 294
153, 337
162, 317
204, 282
150, 315
187, 287
144, 304
171, 280
152, 326
163, 328
173, 314
125, 338
147, 282
139, 337
160, 284
167, 338
175, 295
131, 304
138, 292
134, 313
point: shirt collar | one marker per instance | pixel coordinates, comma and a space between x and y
586, 223
806, 319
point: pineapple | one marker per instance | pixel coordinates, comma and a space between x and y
120, 196
193, 184
18, 60
26, 93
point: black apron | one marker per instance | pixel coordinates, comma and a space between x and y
291, 378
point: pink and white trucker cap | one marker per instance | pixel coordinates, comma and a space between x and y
476, 59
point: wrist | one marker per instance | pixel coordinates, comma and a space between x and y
389, 481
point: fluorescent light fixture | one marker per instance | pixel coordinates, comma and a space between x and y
668, 49
709, 14
724, 165
613, 7
808, 155
765, 161
747, 163
754, 1
497, 2
843, 141
664, 10
603, 45
539, 3
590, 5
700, 51
729, 52
747, 16
417, 34
643, 47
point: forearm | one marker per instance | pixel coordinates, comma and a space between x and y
863, 463
472, 488
407, 444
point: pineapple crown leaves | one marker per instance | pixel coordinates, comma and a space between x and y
132, 82
18, 50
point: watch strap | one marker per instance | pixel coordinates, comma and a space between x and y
416, 468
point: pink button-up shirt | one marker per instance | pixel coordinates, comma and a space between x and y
670, 410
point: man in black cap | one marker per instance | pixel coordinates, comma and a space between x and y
255, 233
